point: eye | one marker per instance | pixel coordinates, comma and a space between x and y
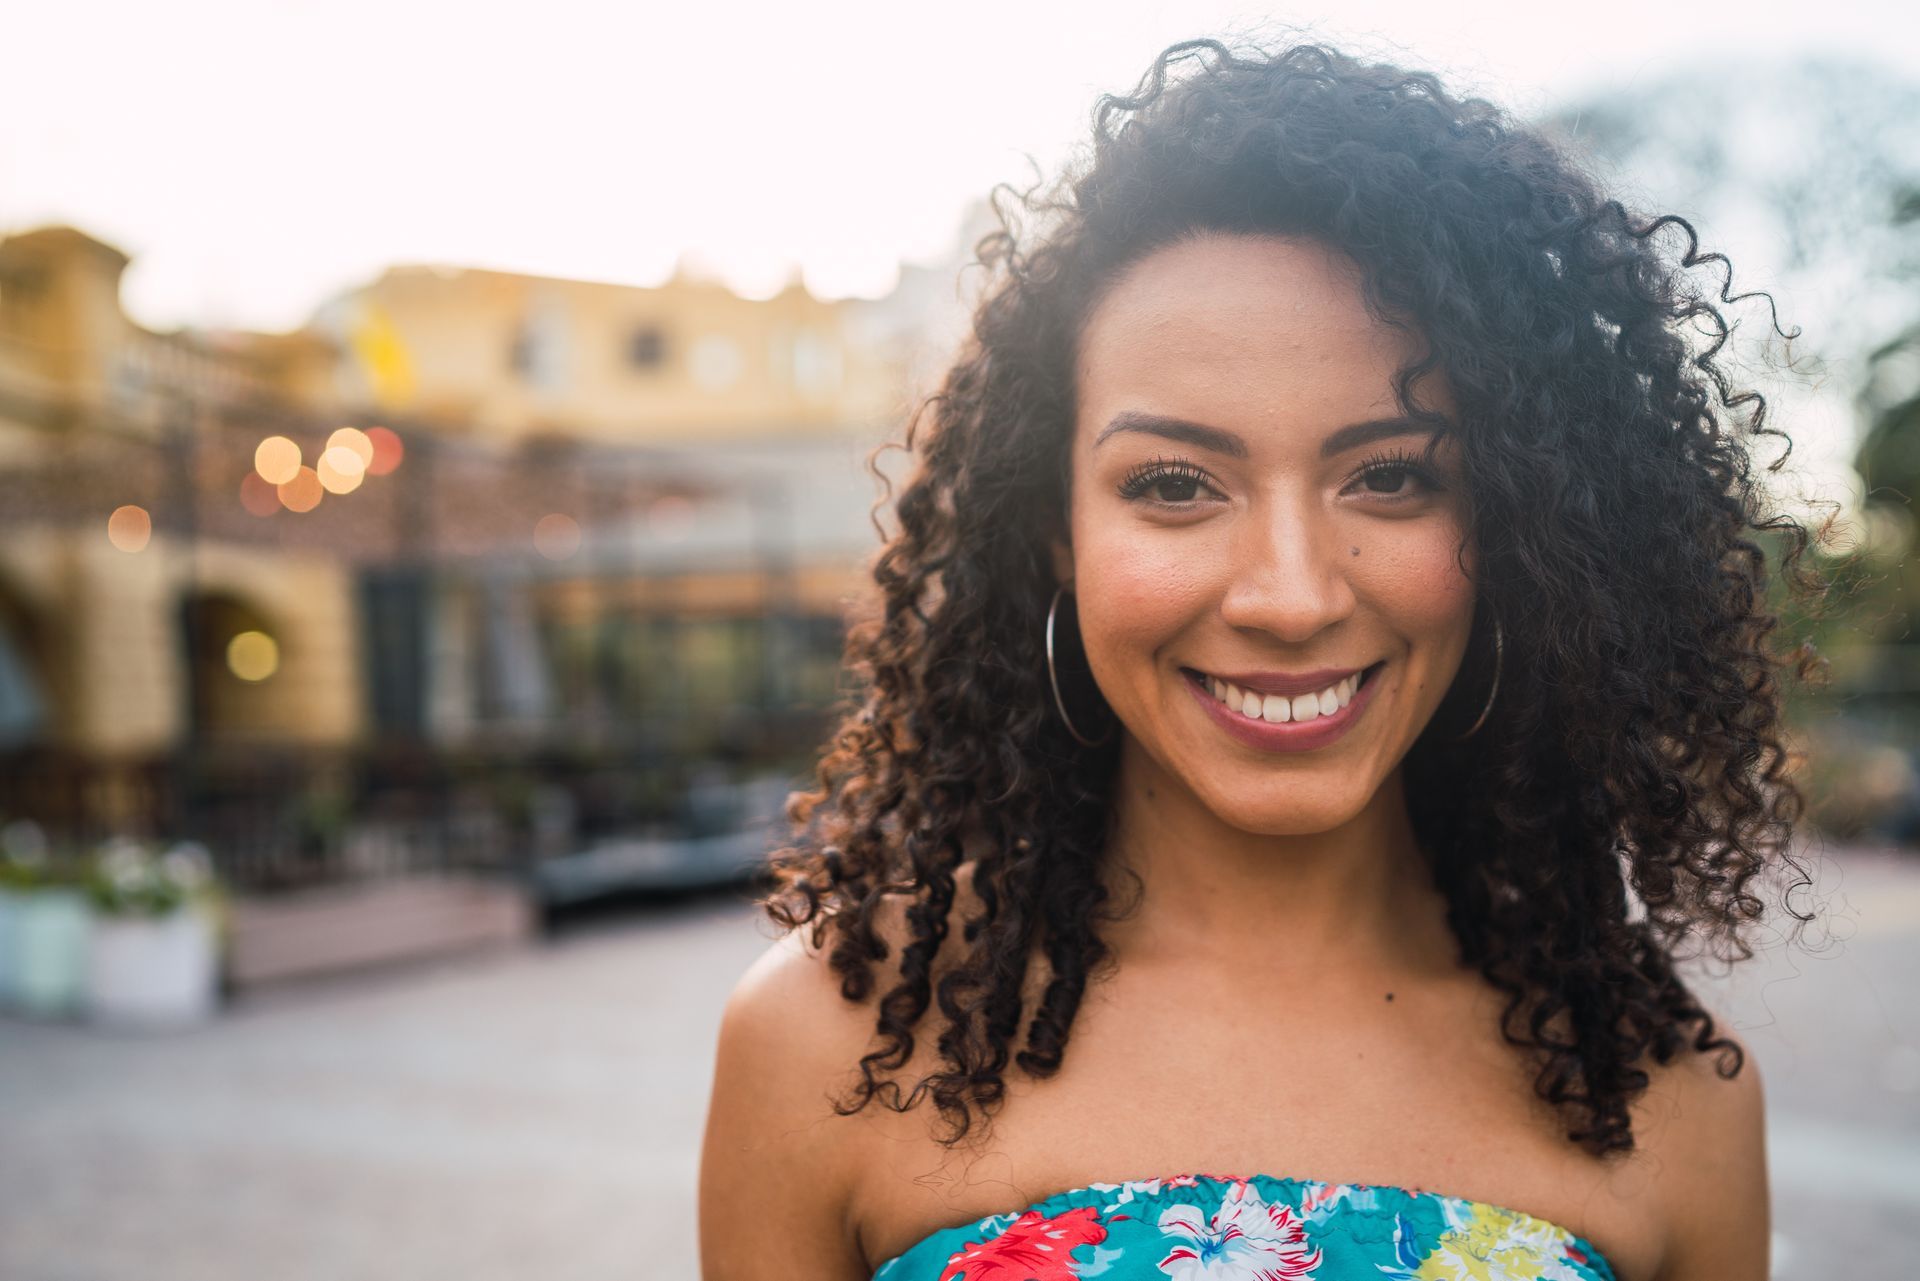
1171, 482
1385, 475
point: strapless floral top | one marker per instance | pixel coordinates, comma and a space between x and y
1259, 1227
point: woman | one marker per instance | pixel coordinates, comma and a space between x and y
1353, 438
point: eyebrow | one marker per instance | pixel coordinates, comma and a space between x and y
1220, 441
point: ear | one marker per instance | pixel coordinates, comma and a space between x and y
1062, 561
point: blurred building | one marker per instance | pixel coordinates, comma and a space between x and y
503, 357
587, 522
95, 413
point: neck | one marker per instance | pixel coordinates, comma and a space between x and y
1358, 899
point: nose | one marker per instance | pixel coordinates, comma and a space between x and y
1289, 572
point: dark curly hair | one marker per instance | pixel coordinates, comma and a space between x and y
1621, 531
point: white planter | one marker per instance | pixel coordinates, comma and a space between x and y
48, 952
153, 970
8, 900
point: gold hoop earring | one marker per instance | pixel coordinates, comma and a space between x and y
1053, 678
1499, 646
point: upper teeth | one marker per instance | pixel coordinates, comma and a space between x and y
1279, 707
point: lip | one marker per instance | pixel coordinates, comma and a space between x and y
1289, 736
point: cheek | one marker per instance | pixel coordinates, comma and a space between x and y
1133, 595
1417, 580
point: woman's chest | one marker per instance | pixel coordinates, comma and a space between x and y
1423, 1096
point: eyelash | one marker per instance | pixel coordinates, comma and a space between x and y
1400, 459
1145, 477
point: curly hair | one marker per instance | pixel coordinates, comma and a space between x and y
1620, 526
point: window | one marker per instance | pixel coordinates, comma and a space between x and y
541, 350
816, 363
716, 362
647, 348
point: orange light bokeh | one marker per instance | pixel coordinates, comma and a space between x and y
277, 459
303, 493
356, 440
341, 469
387, 451
258, 496
129, 528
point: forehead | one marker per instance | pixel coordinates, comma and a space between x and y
1244, 328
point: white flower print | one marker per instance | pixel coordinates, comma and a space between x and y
1247, 1239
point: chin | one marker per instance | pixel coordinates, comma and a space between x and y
1288, 814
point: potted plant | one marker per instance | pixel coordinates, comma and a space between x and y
153, 958
45, 936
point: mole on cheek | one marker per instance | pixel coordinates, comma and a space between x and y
1353, 551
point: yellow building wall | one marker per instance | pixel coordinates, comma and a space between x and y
121, 612
439, 344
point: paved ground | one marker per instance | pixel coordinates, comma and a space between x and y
1834, 1020
537, 1114
534, 1114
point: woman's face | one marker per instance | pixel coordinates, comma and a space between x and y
1239, 511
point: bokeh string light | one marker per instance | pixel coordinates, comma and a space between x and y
258, 496
303, 492
129, 528
556, 536
277, 460
253, 656
280, 479
355, 440
387, 451
341, 469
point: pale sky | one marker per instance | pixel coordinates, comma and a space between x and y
256, 156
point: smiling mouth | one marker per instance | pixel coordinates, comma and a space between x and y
1282, 709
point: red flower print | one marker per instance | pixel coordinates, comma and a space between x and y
1031, 1249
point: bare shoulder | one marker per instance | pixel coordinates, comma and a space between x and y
781, 1171
1703, 1140
777, 1161
783, 1176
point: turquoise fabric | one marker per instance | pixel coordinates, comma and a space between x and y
1260, 1227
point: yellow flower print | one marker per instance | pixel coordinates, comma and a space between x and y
1496, 1245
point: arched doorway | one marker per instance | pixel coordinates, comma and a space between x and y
234, 653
